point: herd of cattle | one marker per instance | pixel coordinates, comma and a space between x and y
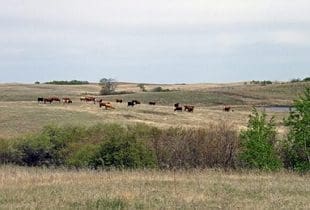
108, 105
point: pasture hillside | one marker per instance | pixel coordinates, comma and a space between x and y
34, 188
21, 114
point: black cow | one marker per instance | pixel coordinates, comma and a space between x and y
178, 108
130, 103
40, 100
152, 103
189, 108
119, 100
136, 102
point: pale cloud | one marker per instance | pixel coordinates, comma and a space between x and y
136, 12
157, 36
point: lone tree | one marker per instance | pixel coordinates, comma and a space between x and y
298, 142
108, 86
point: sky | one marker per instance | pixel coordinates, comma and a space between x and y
154, 41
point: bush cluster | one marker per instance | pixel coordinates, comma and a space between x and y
135, 146
159, 89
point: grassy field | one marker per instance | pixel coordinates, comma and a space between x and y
21, 114
33, 188
39, 188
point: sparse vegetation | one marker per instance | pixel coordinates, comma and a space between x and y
142, 87
108, 86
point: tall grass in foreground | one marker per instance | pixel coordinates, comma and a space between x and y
39, 188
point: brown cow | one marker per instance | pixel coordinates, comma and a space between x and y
66, 100
226, 108
50, 100
88, 98
189, 108
107, 105
55, 99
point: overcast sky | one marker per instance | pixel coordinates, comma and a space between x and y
160, 41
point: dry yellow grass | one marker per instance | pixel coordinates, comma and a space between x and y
34, 188
18, 118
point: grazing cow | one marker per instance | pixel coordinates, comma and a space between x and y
55, 99
66, 100
152, 103
107, 105
226, 108
178, 108
119, 100
136, 102
50, 100
40, 100
130, 103
189, 108
98, 100
90, 98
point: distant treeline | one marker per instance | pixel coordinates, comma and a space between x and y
268, 82
264, 82
64, 82
307, 79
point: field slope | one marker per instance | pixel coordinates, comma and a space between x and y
21, 114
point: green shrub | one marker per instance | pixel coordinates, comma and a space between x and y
159, 89
46, 148
123, 151
257, 143
82, 156
8, 152
297, 145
